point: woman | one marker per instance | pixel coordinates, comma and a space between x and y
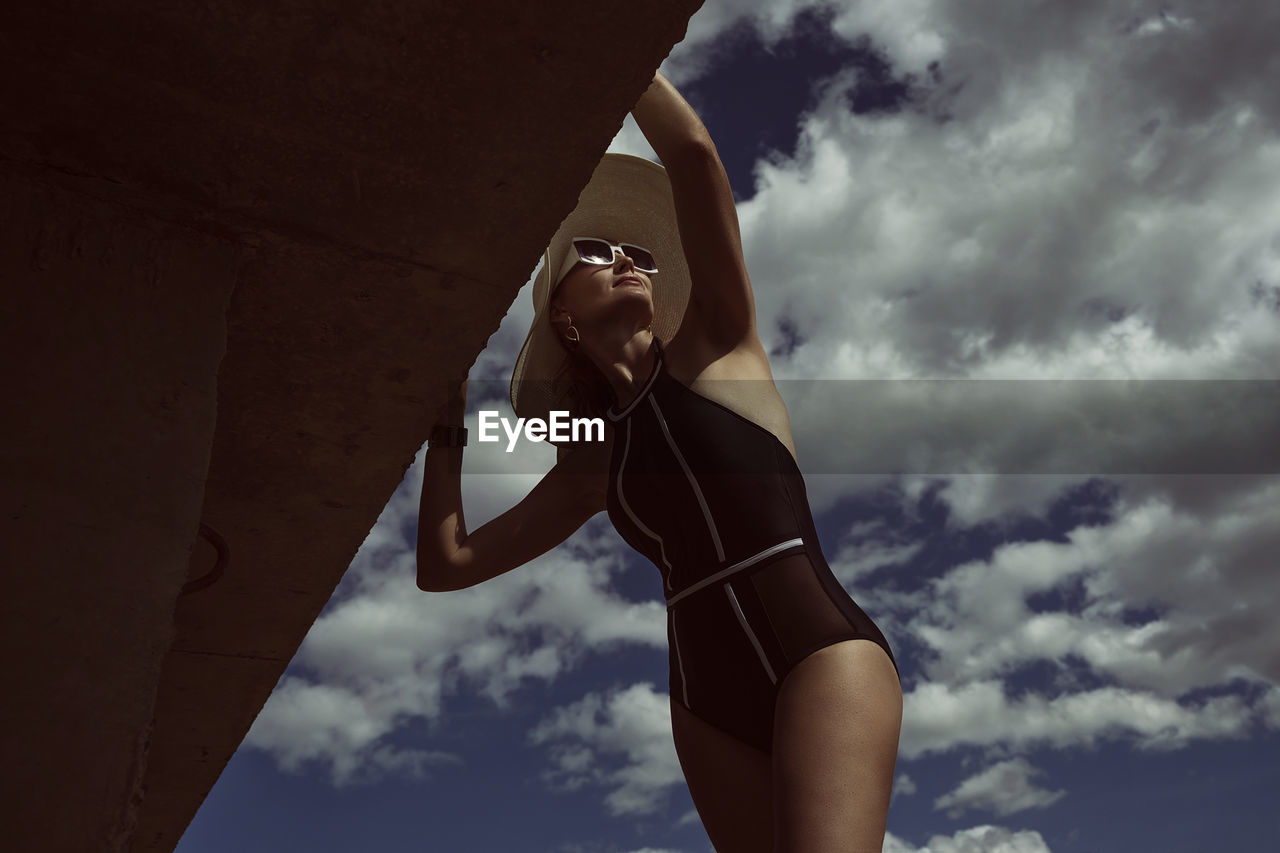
785, 699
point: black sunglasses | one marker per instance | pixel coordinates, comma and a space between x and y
594, 250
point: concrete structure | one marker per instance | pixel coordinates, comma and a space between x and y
242, 248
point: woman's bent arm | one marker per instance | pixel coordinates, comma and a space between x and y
449, 558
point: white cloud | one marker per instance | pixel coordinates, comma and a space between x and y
903, 786
978, 839
938, 717
633, 724
691, 816
1003, 788
335, 726
1198, 565
1270, 707
986, 247
1207, 573
865, 548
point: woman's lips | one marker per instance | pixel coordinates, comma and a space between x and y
629, 280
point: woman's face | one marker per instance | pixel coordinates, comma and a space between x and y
594, 294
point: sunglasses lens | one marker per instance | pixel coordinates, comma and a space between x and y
640, 257
600, 252
594, 251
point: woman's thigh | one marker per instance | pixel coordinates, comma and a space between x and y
835, 743
730, 782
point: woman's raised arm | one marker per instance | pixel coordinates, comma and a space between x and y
721, 303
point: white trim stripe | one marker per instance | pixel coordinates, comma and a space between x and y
657, 368
706, 511
738, 566
733, 599
622, 499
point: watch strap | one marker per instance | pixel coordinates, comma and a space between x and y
447, 436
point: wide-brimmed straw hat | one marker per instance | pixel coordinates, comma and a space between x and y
628, 199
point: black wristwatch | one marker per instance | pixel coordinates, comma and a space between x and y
447, 436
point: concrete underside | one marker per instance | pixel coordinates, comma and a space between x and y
243, 247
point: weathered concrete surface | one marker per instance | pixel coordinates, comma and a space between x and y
344, 199
112, 329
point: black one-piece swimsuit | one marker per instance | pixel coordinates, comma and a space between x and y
718, 504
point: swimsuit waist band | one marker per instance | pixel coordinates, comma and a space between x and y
736, 567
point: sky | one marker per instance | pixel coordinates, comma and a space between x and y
1017, 266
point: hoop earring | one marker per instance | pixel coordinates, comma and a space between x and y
572, 334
